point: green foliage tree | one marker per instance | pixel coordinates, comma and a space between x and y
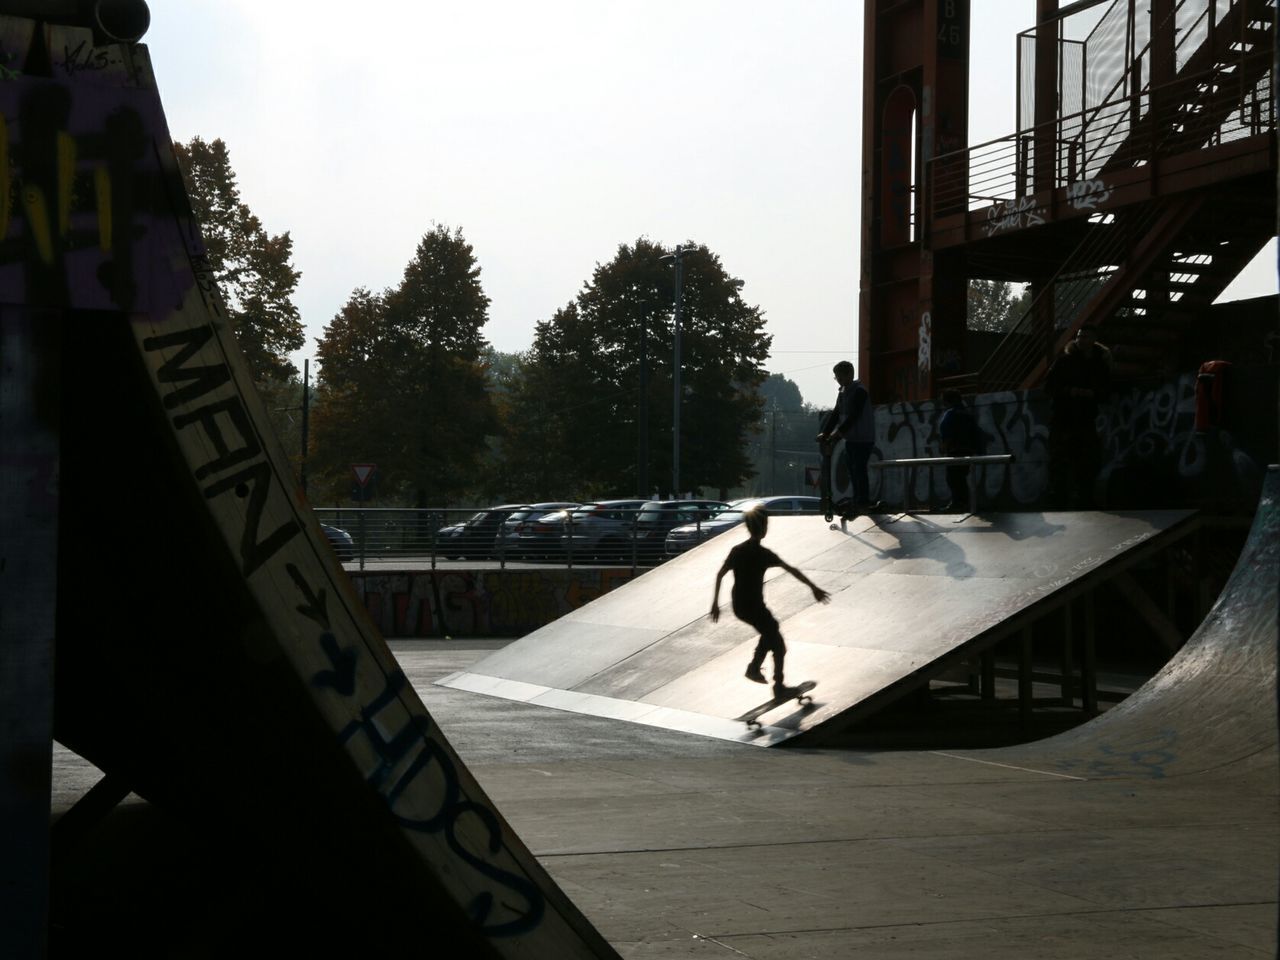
403, 380
581, 401
253, 268
784, 441
994, 306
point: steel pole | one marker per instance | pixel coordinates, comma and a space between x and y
306, 411
675, 378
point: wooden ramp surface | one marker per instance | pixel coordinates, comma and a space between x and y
1212, 706
910, 595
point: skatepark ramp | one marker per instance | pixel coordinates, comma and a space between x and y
912, 598
273, 721
1212, 706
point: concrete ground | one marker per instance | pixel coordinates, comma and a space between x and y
676, 845
679, 846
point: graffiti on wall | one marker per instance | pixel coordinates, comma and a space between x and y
93, 217
84, 205
492, 603
1152, 454
1087, 194
1016, 214
924, 336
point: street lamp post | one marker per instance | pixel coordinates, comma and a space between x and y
677, 259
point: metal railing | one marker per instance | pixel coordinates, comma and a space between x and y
1220, 93
372, 537
910, 464
1064, 300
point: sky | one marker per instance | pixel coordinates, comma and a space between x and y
551, 133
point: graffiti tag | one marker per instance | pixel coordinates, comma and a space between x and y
1087, 194
1014, 214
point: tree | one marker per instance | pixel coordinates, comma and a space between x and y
602, 366
402, 380
994, 306
253, 268
784, 442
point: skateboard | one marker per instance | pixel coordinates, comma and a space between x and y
830, 508
800, 694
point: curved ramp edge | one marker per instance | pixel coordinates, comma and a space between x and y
1213, 705
210, 651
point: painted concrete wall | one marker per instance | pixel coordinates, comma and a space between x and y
479, 603
1152, 455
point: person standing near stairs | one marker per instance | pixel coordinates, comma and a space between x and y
1078, 382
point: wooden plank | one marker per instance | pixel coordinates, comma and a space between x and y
1137, 598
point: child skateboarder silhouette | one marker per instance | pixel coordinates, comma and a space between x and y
749, 561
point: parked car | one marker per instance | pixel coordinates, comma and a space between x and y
547, 537
538, 537
601, 531
690, 535
657, 518
474, 538
508, 539
341, 542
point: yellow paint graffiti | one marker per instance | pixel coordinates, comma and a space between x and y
66, 180
38, 218
102, 186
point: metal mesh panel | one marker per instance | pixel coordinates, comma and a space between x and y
1027, 80
1103, 101
1107, 55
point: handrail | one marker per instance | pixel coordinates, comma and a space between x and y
1071, 288
1087, 139
938, 461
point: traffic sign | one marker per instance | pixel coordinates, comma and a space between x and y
363, 473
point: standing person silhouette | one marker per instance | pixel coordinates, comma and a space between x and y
853, 420
1078, 382
749, 561
959, 436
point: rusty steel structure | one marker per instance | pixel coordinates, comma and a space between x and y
1139, 180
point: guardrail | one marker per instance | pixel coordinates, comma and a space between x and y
423, 536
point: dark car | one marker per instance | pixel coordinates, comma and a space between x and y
508, 540
341, 542
657, 518
474, 538
690, 535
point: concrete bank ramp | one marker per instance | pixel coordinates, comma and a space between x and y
1211, 707
211, 655
910, 597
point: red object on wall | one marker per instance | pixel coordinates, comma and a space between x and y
1210, 394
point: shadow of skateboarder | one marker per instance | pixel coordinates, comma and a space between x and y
749, 561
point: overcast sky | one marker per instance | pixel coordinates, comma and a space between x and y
553, 132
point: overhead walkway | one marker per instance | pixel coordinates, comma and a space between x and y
912, 599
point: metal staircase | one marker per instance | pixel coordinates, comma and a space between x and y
1156, 250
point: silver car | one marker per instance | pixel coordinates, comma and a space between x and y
690, 535
600, 531
507, 542
658, 518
